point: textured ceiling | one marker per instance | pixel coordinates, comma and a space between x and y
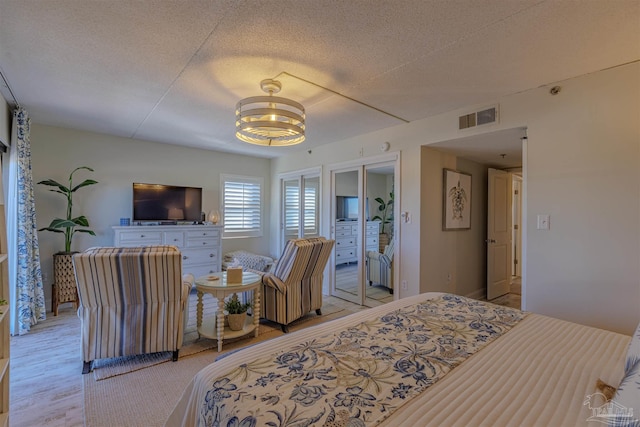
172, 71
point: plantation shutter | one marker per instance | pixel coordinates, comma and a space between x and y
242, 203
291, 208
311, 215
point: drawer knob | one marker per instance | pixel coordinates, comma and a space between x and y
142, 235
210, 255
184, 257
204, 243
175, 240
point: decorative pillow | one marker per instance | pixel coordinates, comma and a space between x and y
247, 260
626, 403
633, 352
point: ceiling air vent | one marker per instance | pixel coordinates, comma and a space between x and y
478, 118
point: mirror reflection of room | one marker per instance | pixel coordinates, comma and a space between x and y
374, 261
379, 235
346, 232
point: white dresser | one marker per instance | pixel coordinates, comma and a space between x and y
347, 240
200, 245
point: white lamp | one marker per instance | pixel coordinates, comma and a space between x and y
214, 216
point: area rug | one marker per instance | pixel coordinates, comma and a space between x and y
107, 368
146, 397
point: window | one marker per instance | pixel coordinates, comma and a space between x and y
241, 206
300, 204
309, 214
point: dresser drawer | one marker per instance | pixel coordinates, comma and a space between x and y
175, 238
204, 234
342, 242
343, 230
345, 255
200, 256
140, 238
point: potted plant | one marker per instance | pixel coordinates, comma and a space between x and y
236, 312
64, 288
386, 217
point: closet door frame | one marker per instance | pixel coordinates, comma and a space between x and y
330, 213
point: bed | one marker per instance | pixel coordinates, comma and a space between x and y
429, 360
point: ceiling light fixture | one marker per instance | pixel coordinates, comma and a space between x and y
270, 120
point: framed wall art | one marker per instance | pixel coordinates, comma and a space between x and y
456, 200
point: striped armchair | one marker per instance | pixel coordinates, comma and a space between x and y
294, 287
379, 267
132, 301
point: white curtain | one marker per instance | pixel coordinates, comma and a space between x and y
25, 276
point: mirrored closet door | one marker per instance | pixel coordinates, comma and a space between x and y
362, 222
347, 210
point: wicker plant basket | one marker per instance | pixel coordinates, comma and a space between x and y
236, 321
64, 286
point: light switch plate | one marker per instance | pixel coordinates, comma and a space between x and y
543, 222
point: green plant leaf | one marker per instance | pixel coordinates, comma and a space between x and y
84, 230
53, 183
61, 223
55, 230
379, 200
81, 221
84, 184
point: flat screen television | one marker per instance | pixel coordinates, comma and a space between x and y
157, 202
347, 208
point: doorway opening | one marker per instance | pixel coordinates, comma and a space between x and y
504, 258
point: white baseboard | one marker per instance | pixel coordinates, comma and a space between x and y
479, 294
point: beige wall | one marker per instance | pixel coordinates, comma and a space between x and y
118, 162
582, 168
452, 261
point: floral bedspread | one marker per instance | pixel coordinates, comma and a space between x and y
359, 375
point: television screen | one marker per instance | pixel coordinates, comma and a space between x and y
347, 208
156, 202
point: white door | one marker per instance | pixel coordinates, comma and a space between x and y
499, 220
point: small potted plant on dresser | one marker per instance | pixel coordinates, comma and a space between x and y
64, 286
236, 312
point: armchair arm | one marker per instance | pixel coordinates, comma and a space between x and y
187, 283
272, 281
381, 258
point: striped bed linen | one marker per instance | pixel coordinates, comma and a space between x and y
295, 286
537, 374
131, 300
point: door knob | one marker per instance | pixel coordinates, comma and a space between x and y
490, 241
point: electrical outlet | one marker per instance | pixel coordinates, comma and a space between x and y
362, 152
404, 285
45, 278
449, 277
